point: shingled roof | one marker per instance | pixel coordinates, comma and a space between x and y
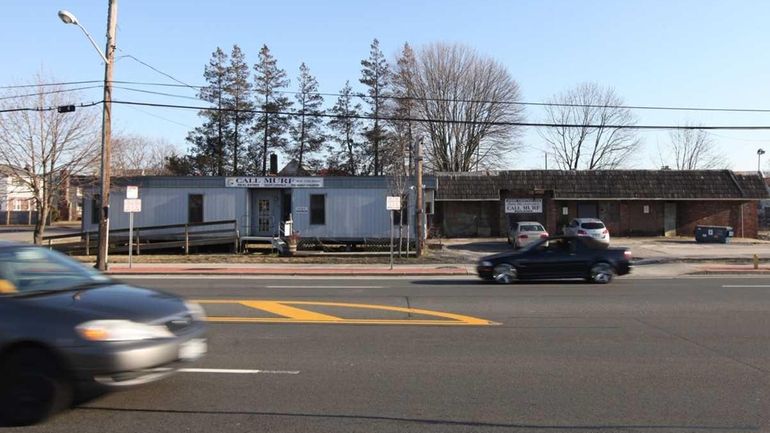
604, 184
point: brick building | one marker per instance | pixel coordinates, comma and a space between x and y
630, 202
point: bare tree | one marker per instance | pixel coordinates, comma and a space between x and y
464, 101
137, 155
593, 131
44, 147
692, 149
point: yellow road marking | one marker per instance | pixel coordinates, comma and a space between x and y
282, 309
300, 315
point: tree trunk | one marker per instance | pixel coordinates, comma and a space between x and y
42, 216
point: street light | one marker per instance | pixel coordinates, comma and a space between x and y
104, 173
760, 152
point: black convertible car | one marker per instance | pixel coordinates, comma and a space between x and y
555, 258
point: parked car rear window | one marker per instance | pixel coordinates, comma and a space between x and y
532, 228
592, 226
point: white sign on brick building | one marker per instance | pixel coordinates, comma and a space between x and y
523, 205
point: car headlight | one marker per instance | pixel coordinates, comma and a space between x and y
485, 263
121, 330
196, 311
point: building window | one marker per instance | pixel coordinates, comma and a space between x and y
195, 208
317, 209
95, 208
646, 208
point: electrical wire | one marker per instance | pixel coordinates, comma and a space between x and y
49, 92
386, 97
67, 83
39, 109
155, 69
451, 121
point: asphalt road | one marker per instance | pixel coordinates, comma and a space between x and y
665, 355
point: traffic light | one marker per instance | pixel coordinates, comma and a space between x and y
66, 108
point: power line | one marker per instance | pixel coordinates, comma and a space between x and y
67, 83
49, 92
452, 121
155, 69
39, 109
159, 117
194, 98
479, 101
485, 101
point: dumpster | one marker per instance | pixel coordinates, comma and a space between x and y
718, 234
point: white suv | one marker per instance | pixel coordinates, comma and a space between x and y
588, 227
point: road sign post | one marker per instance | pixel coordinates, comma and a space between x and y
393, 203
131, 205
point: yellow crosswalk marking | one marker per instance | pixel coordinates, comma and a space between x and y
289, 312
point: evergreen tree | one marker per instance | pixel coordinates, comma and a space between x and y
209, 139
306, 127
273, 122
404, 135
345, 127
238, 100
375, 76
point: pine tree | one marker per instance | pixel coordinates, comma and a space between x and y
375, 76
273, 122
210, 138
306, 126
238, 100
404, 108
345, 127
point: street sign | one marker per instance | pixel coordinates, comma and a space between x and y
132, 192
131, 205
393, 203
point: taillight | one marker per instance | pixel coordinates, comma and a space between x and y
523, 236
582, 232
627, 254
543, 235
605, 232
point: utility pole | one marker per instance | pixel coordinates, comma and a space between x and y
264, 145
104, 217
420, 207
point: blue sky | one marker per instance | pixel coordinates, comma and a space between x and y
670, 53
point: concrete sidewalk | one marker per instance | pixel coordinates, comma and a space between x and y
290, 269
658, 270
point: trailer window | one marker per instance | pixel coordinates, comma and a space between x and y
317, 209
195, 208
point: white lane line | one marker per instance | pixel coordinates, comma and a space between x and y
324, 287
765, 286
235, 371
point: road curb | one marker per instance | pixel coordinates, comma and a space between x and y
292, 272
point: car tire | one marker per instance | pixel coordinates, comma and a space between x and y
601, 273
32, 388
504, 273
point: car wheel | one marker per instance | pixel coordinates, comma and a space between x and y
32, 388
601, 273
505, 273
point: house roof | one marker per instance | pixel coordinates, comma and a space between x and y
604, 184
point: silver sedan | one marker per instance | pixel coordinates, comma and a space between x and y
65, 326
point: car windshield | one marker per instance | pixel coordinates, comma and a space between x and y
592, 225
532, 228
25, 270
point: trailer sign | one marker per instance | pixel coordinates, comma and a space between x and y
519, 205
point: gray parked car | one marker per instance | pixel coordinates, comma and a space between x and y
65, 326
